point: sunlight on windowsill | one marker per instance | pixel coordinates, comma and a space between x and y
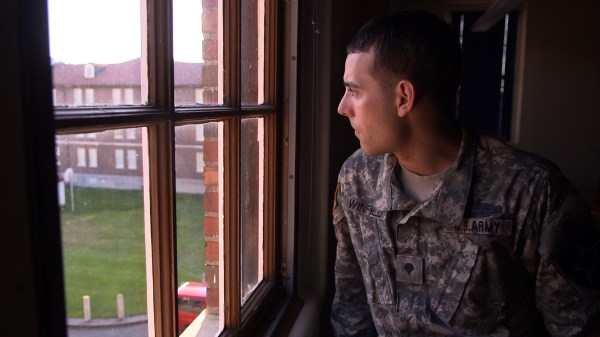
203, 326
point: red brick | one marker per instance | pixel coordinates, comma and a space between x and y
211, 96
211, 226
211, 252
210, 23
211, 177
210, 49
208, 5
211, 202
211, 150
212, 297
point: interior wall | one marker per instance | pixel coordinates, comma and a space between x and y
560, 109
31, 282
18, 314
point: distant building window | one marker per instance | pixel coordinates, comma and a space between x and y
89, 96
116, 96
89, 71
93, 156
199, 132
199, 95
199, 162
91, 135
77, 96
129, 96
132, 159
119, 159
130, 133
119, 134
81, 159
59, 97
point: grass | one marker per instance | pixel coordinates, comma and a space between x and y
104, 254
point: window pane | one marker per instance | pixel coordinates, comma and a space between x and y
198, 52
253, 51
198, 164
95, 46
252, 195
103, 237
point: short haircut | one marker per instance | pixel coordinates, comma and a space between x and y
414, 45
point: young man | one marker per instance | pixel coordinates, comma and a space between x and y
442, 232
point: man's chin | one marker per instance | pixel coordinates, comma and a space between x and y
370, 152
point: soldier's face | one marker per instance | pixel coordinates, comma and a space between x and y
371, 109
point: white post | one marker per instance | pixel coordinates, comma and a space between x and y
61, 193
120, 306
87, 311
72, 197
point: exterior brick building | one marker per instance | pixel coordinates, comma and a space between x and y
112, 159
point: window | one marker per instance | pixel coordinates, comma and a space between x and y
81, 160
89, 71
130, 133
119, 159
132, 159
194, 148
129, 98
116, 96
89, 96
93, 155
199, 93
485, 97
77, 96
199, 162
199, 133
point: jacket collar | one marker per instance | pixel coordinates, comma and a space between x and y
447, 204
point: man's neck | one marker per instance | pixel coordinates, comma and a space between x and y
431, 150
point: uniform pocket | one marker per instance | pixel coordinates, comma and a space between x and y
377, 263
455, 280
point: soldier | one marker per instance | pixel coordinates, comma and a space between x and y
440, 231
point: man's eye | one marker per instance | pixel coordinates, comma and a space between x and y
351, 91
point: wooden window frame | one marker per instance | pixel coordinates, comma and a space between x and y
160, 118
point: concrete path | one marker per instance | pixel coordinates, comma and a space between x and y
136, 326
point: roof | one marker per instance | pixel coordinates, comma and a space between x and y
125, 74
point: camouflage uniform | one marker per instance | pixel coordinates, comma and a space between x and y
503, 239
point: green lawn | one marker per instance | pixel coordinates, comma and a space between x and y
104, 254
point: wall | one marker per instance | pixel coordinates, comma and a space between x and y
560, 112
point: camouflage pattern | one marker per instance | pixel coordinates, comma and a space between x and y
503, 241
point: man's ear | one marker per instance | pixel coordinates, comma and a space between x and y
405, 93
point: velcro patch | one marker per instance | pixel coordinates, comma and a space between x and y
409, 269
366, 209
483, 226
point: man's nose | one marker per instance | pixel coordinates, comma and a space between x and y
343, 108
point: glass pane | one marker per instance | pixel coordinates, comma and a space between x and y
95, 46
198, 52
198, 165
253, 51
252, 196
104, 236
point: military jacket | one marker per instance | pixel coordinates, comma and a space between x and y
503, 243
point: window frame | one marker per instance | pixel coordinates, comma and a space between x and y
160, 119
